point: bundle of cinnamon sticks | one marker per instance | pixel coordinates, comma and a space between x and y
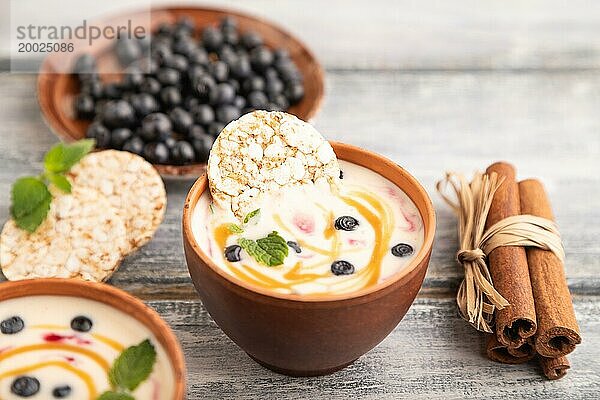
540, 320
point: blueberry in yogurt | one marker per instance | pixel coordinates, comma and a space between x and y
81, 324
60, 392
402, 250
341, 267
25, 386
12, 325
346, 223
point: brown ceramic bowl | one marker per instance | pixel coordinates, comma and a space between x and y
56, 91
315, 335
113, 297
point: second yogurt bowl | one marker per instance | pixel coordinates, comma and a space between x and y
311, 335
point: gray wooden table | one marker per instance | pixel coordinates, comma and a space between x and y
452, 87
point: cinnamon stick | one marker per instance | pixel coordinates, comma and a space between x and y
498, 352
557, 331
555, 368
508, 267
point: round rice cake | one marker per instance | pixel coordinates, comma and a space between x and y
81, 237
264, 151
131, 185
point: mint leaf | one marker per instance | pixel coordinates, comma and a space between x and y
61, 157
133, 366
270, 251
30, 202
115, 396
235, 228
251, 215
60, 181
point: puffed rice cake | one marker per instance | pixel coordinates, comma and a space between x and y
81, 237
264, 151
131, 185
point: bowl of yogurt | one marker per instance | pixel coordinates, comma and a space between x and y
306, 278
70, 339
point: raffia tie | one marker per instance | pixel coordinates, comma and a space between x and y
477, 298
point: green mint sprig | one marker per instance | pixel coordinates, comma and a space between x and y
133, 366
270, 251
30, 197
238, 229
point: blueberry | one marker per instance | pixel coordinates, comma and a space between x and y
227, 54
128, 51
170, 142
133, 79
156, 152
134, 145
169, 77
227, 113
341, 267
81, 324
281, 54
203, 86
186, 24
199, 57
239, 102
341, 174
294, 92
241, 68
261, 58
274, 86
100, 133
25, 386
183, 153
61, 392
151, 86
144, 104
85, 106
93, 88
212, 38
251, 40
195, 72
178, 62
182, 120
12, 325
85, 64
230, 36
270, 73
170, 96
119, 136
185, 46
253, 83
257, 99
402, 250
280, 101
295, 246
202, 147
215, 128
346, 223
288, 71
196, 132
219, 70
156, 126
112, 91
117, 114
233, 253
228, 23
204, 114
223, 93
165, 29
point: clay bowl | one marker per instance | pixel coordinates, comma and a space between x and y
316, 335
56, 91
113, 297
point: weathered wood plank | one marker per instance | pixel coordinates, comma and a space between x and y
547, 124
403, 34
431, 354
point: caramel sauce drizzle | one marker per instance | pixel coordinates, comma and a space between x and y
380, 218
86, 378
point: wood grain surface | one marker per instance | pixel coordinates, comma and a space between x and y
435, 87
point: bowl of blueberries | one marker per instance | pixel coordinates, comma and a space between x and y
176, 90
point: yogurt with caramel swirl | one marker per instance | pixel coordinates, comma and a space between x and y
63, 347
338, 240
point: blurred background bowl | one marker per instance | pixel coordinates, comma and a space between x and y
56, 91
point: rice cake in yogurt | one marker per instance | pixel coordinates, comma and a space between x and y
264, 151
82, 237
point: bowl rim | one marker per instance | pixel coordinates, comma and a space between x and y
201, 185
173, 171
94, 291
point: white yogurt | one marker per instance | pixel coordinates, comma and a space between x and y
306, 214
54, 354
